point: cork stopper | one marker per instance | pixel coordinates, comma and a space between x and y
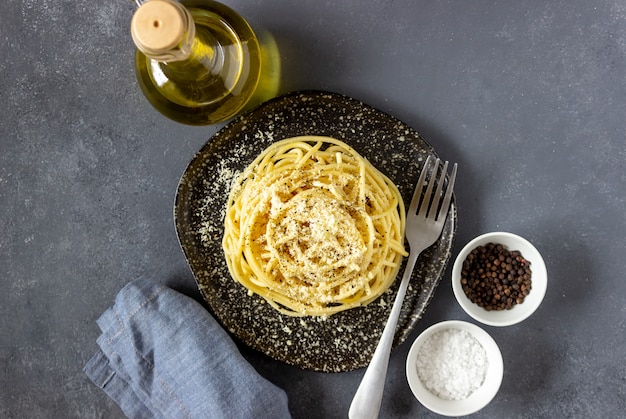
158, 26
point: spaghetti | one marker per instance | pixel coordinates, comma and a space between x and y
314, 228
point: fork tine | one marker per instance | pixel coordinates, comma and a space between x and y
417, 193
432, 212
441, 216
429, 191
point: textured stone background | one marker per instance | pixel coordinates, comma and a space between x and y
529, 97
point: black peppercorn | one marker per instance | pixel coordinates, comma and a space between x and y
495, 278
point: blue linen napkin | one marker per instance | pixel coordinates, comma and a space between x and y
162, 355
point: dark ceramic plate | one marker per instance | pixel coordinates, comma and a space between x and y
343, 341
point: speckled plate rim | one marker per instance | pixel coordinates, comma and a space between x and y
344, 341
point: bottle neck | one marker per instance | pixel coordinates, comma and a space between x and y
203, 57
163, 30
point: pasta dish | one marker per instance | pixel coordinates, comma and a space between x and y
314, 228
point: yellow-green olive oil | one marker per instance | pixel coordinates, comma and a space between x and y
227, 71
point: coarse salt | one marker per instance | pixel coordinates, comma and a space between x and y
452, 364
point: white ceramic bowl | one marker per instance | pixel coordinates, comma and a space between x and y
477, 399
531, 302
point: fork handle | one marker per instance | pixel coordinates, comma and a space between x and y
368, 397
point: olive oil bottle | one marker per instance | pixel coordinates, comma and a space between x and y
199, 62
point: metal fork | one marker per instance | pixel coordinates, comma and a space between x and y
423, 228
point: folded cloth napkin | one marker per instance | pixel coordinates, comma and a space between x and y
162, 355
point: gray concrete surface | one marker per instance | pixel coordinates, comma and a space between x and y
529, 97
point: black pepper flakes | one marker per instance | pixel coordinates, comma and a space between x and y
495, 278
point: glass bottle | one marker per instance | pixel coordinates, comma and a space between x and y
198, 61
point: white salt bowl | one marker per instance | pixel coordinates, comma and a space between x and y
480, 397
